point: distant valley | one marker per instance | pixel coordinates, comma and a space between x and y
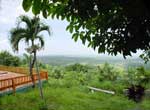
59, 60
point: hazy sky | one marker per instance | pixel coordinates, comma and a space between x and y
59, 43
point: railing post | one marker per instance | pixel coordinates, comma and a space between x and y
46, 75
34, 79
13, 85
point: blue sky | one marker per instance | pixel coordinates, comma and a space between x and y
59, 43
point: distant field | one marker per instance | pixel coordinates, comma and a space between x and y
66, 60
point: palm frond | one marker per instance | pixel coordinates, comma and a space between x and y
41, 40
16, 31
16, 34
44, 27
16, 41
26, 20
28, 33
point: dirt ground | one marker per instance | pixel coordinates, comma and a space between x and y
6, 75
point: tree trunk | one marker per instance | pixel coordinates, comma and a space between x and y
32, 62
31, 68
39, 81
39, 77
31, 72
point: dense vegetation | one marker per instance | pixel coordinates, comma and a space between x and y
67, 89
72, 80
8, 59
78, 74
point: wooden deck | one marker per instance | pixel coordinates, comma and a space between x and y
7, 75
11, 80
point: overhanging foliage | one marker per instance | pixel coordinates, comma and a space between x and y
115, 26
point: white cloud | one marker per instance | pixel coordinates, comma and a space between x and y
10, 10
4, 44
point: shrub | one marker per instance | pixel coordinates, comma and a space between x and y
8, 59
107, 72
137, 80
57, 73
138, 76
77, 67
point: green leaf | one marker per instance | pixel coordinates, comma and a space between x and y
67, 28
82, 37
101, 49
83, 40
75, 37
62, 17
89, 38
68, 18
45, 13
52, 15
90, 44
26, 4
36, 7
57, 16
71, 29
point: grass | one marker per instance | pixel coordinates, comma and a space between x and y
61, 98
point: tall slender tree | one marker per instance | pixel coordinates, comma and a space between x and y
29, 29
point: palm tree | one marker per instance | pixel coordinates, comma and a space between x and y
30, 33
